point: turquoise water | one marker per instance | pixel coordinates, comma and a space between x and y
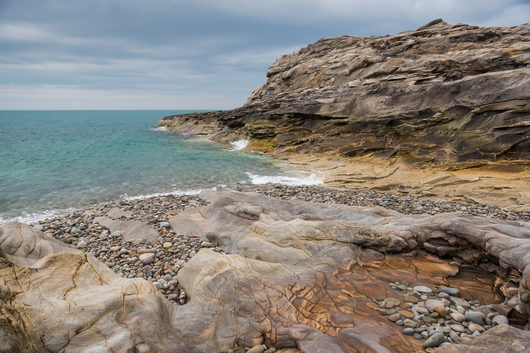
51, 161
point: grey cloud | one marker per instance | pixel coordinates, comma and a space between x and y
187, 54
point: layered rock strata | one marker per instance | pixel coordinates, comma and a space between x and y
441, 94
296, 274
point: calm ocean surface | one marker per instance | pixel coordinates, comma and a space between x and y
53, 161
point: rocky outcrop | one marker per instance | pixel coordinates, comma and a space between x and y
305, 275
62, 300
296, 274
442, 94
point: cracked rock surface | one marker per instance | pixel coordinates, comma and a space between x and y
300, 274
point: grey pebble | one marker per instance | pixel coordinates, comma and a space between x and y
409, 331
435, 340
475, 317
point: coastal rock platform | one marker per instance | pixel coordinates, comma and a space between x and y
294, 274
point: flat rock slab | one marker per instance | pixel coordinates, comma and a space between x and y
117, 213
129, 230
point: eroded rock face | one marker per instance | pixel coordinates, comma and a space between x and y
302, 274
442, 94
22, 245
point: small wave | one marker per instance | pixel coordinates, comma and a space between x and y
285, 180
159, 128
32, 218
176, 192
239, 144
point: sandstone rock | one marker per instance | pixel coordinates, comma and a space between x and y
117, 213
129, 230
446, 94
23, 246
59, 299
296, 275
276, 241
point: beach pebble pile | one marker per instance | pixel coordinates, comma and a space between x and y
158, 262
438, 315
403, 203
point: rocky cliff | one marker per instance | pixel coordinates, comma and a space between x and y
448, 96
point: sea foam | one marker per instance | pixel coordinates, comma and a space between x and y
159, 128
32, 218
175, 192
285, 180
239, 144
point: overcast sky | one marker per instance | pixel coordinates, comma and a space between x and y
185, 54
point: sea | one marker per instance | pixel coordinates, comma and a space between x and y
53, 162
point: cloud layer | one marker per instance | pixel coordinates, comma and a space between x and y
184, 54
